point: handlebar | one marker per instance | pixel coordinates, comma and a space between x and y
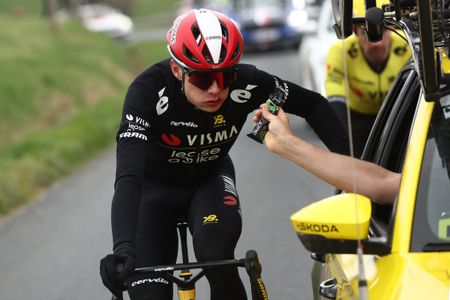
250, 263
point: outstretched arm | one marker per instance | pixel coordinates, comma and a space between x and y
344, 172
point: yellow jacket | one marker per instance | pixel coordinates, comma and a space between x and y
367, 88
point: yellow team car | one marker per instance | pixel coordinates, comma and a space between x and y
406, 246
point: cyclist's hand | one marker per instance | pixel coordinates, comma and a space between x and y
279, 128
114, 269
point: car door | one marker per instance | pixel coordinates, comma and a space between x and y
387, 142
386, 146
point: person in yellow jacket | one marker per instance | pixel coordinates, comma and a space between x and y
371, 71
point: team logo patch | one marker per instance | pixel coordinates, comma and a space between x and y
229, 200
171, 140
211, 219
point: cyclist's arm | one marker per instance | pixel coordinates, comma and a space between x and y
310, 105
371, 180
320, 116
131, 153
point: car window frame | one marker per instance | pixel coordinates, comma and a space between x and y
388, 139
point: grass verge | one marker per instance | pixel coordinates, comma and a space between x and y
60, 99
40, 158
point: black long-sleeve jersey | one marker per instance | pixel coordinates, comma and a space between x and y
164, 137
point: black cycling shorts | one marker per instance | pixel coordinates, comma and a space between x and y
212, 210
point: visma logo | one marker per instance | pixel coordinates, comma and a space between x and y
242, 96
137, 120
210, 219
197, 140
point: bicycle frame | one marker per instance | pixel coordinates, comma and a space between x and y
185, 280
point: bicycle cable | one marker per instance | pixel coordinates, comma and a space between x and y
362, 282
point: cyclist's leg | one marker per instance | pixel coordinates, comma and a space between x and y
156, 239
215, 221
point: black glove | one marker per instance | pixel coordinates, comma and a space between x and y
114, 269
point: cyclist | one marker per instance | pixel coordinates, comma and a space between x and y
375, 182
180, 118
371, 71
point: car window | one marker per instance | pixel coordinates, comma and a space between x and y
387, 142
431, 228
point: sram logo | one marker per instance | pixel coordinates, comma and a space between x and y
317, 227
242, 96
133, 135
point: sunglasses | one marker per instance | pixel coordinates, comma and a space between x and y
204, 79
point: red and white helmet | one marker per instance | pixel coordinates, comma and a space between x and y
204, 39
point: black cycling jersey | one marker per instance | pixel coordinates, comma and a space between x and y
162, 136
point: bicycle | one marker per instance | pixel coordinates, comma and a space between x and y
185, 280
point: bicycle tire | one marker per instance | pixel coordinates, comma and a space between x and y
427, 57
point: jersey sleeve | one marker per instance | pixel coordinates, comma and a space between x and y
334, 73
320, 115
309, 105
131, 153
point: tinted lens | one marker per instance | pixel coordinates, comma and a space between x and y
203, 80
226, 78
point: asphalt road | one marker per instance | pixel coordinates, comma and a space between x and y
50, 250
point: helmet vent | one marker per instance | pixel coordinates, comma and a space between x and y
236, 51
189, 55
196, 33
207, 55
224, 31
